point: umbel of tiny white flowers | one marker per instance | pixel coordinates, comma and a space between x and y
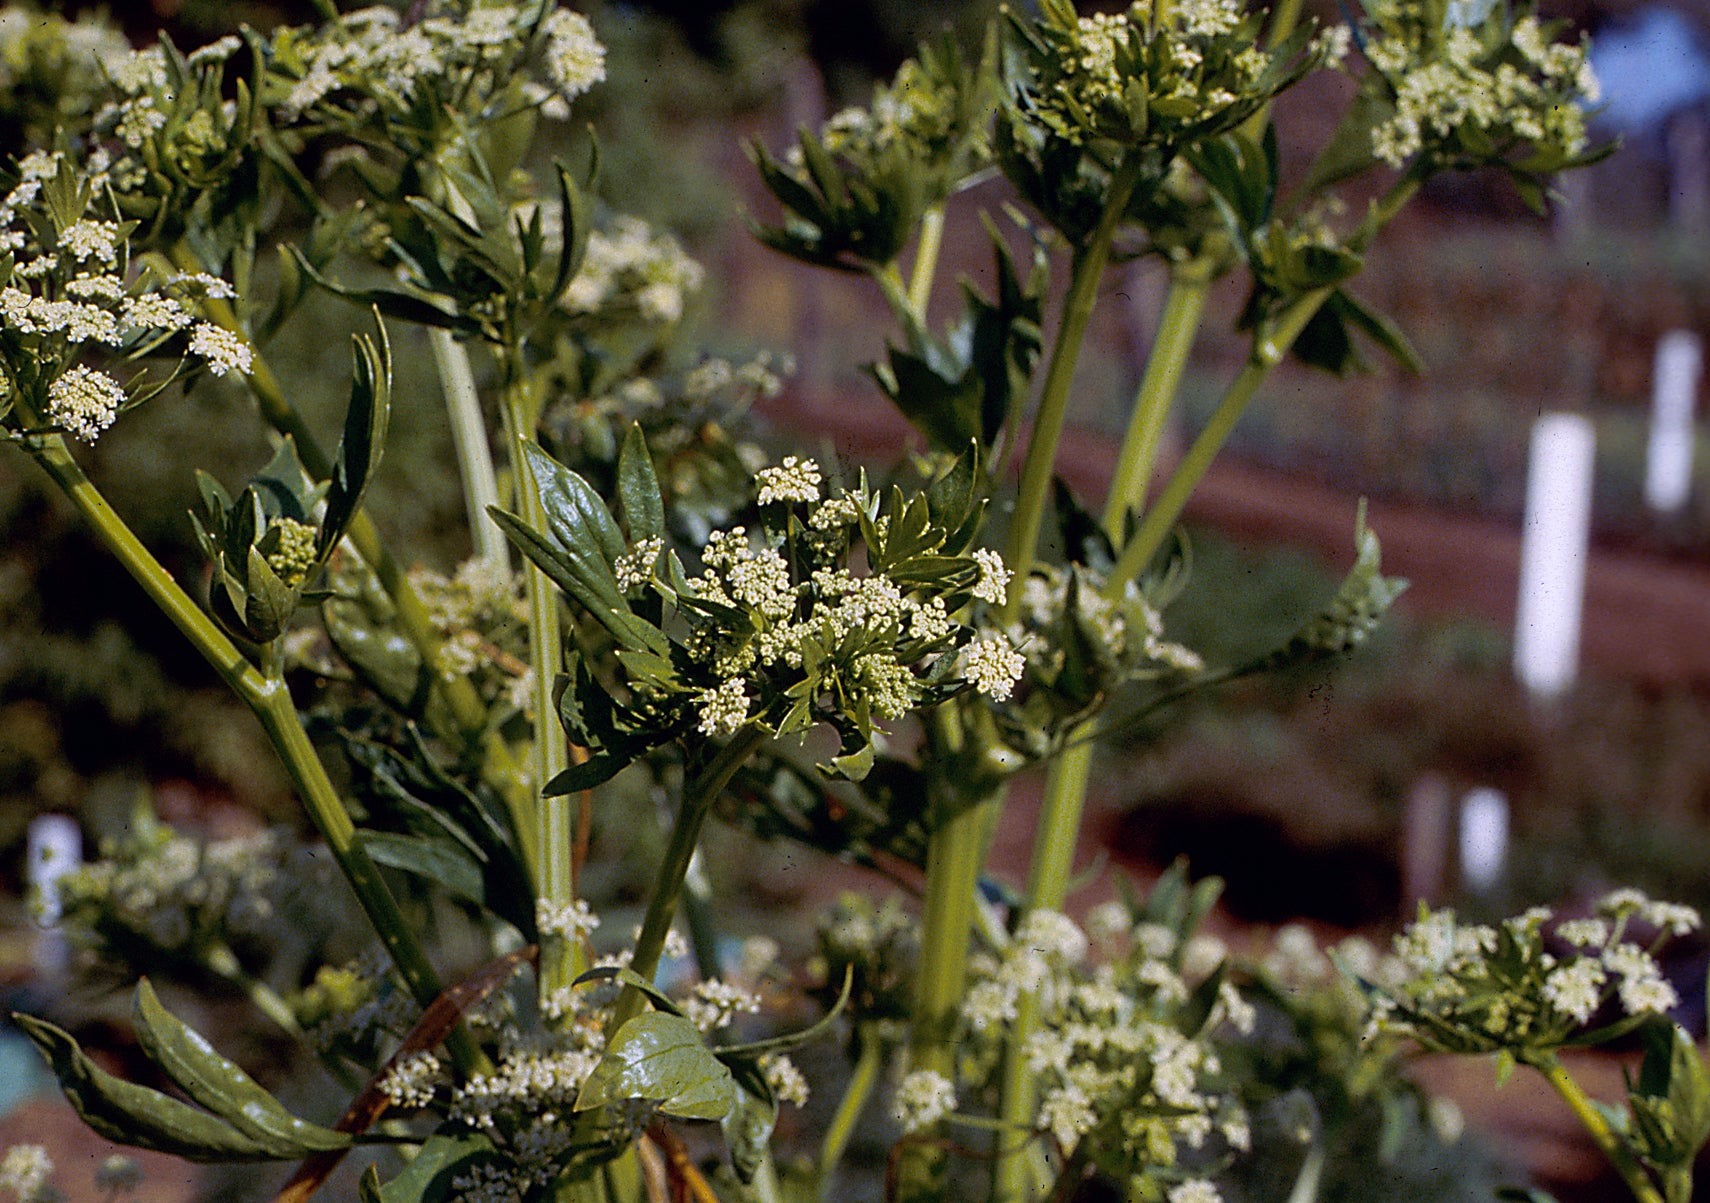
69, 290
1474, 988
783, 631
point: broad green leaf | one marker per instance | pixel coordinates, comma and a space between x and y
663, 1059
380, 654
221, 1086
270, 601
428, 1177
574, 511
625, 976
134, 1115
748, 1124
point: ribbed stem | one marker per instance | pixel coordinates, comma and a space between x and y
1162, 514
925, 260
554, 837
1041, 457
469, 440
271, 703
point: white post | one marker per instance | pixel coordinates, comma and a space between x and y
1553, 554
53, 849
1674, 395
1484, 838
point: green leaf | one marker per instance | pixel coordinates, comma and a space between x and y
364, 437
221, 1086
661, 1058
574, 511
749, 1123
380, 654
269, 603
439, 860
625, 976
1361, 601
588, 579
134, 1115
428, 1177
638, 488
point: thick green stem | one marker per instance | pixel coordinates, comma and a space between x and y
1632, 1173
1040, 460
1184, 307
1162, 515
925, 260
555, 840
1015, 1174
469, 439
869, 1059
955, 855
51, 452
698, 798
271, 703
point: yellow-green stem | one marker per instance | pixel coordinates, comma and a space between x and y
869, 1059
1608, 1143
925, 261
1040, 460
1014, 1176
555, 840
469, 440
698, 797
1184, 307
1162, 514
223, 962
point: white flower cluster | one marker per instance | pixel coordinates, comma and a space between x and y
369, 59
411, 1080
572, 921
163, 887
1132, 631
1503, 988
24, 1170
923, 1098
629, 267
912, 108
880, 629
1085, 89
73, 289
1107, 1050
478, 614
1471, 83
714, 1004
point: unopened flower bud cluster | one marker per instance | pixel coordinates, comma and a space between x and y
1476, 988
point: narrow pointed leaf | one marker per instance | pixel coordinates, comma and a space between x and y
221, 1085
134, 1115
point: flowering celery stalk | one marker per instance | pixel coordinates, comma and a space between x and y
776, 640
